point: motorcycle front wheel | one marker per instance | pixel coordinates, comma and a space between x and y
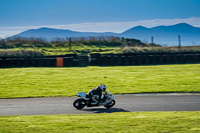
79, 103
110, 104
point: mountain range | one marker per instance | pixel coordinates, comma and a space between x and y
164, 35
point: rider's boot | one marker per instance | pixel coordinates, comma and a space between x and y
101, 101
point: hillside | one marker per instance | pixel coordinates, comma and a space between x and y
51, 34
165, 35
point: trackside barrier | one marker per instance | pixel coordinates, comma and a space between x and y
59, 62
143, 59
101, 60
28, 62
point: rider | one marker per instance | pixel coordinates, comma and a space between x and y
96, 93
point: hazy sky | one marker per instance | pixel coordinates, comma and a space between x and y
94, 15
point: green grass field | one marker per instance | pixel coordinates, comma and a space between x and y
55, 82
137, 122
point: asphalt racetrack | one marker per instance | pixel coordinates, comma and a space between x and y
124, 103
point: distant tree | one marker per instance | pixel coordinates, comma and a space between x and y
154, 45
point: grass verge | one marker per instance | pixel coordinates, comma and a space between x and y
85, 49
55, 82
153, 122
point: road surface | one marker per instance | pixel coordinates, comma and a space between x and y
124, 103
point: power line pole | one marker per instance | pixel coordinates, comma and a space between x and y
70, 46
179, 41
152, 39
100, 44
38, 40
123, 45
3, 41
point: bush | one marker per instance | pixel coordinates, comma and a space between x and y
20, 53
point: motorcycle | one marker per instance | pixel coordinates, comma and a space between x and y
84, 100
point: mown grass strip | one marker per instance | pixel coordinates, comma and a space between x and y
55, 82
136, 122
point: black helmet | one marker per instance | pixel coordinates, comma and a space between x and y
103, 87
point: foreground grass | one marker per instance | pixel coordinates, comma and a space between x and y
140, 122
50, 82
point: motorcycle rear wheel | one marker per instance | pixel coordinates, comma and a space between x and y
110, 104
79, 103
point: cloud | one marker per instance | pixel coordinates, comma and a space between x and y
117, 27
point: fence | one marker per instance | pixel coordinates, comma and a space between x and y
102, 60
49, 61
143, 59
